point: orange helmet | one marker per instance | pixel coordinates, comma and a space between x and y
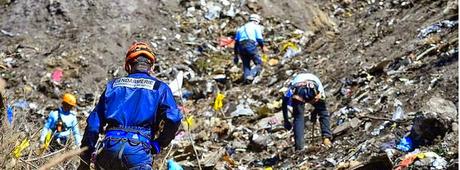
137, 49
69, 99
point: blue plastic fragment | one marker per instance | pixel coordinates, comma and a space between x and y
405, 145
9, 116
172, 165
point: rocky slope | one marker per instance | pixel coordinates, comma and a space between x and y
375, 58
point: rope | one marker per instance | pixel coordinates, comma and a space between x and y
188, 128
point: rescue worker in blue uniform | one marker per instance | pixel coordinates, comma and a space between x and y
60, 124
306, 88
247, 38
131, 108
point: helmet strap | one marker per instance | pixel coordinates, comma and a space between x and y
128, 67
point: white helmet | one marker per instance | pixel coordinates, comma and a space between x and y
254, 17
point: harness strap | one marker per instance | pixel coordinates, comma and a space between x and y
308, 84
120, 153
132, 129
131, 135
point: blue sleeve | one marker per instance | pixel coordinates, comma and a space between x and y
285, 108
259, 38
47, 127
170, 115
286, 102
169, 106
94, 125
237, 36
76, 132
235, 48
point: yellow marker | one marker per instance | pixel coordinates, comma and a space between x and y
264, 58
421, 155
47, 141
189, 120
268, 168
45, 146
218, 103
18, 149
393, 126
291, 45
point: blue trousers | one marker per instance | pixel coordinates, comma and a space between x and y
248, 52
299, 121
124, 153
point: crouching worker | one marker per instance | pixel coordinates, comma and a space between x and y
131, 109
60, 124
306, 88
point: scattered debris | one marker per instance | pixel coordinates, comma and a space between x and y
434, 28
390, 92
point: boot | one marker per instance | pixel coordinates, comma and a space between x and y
327, 142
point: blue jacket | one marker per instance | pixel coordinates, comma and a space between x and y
70, 122
249, 31
137, 100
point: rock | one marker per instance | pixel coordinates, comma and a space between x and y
211, 159
451, 7
5, 2
331, 161
213, 11
445, 108
254, 6
341, 128
270, 121
367, 125
427, 127
355, 122
347, 1
455, 127
242, 110
203, 136
263, 111
347, 165
258, 142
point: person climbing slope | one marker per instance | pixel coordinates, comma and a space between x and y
306, 88
247, 38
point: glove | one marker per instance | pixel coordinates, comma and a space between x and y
93, 157
287, 125
264, 49
236, 59
156, 149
